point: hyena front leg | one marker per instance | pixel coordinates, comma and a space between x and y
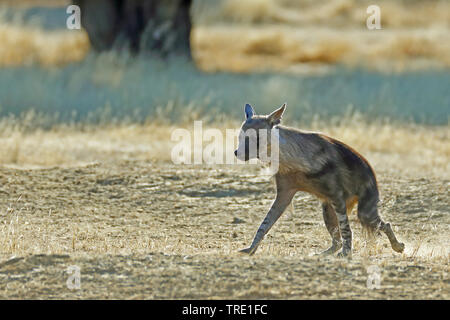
283, 199
332, 224
341, 212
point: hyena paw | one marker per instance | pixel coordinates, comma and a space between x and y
330, 250
248, 250
398, 247
345, 253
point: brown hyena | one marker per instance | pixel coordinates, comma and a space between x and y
320, 165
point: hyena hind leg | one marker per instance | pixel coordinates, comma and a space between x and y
332, 224
340, 208
369, 218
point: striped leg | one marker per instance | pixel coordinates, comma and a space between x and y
331, 222
283, 199
341, 212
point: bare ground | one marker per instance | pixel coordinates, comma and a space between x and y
154, 230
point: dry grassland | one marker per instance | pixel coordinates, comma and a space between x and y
109, 201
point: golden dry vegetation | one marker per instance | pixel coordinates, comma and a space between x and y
399, 147
293, 36
309, 36
27, 46
110, 201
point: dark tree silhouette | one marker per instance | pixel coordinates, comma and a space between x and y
160, 26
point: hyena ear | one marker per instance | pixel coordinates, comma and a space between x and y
275, 117
249, 112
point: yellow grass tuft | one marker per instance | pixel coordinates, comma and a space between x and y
244, 36
27, 45
408, 148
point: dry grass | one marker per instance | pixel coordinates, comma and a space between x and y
407, 148
334, 13
245, 49
140, 229
283, 35
305, 36
82, 208
108, 200
28, 45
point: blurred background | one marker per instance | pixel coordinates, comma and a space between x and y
135, 58
165, 63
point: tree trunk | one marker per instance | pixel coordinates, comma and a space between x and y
159, 26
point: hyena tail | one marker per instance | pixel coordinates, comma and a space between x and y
370, 219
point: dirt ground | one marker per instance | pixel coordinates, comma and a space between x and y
155, 230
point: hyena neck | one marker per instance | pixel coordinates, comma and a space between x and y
295, 149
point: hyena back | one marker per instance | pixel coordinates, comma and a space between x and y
322, 166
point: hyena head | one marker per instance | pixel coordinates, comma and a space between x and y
256, 135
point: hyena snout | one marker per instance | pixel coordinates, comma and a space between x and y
246, 150
244, 156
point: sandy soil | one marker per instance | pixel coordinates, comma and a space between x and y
154, 230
